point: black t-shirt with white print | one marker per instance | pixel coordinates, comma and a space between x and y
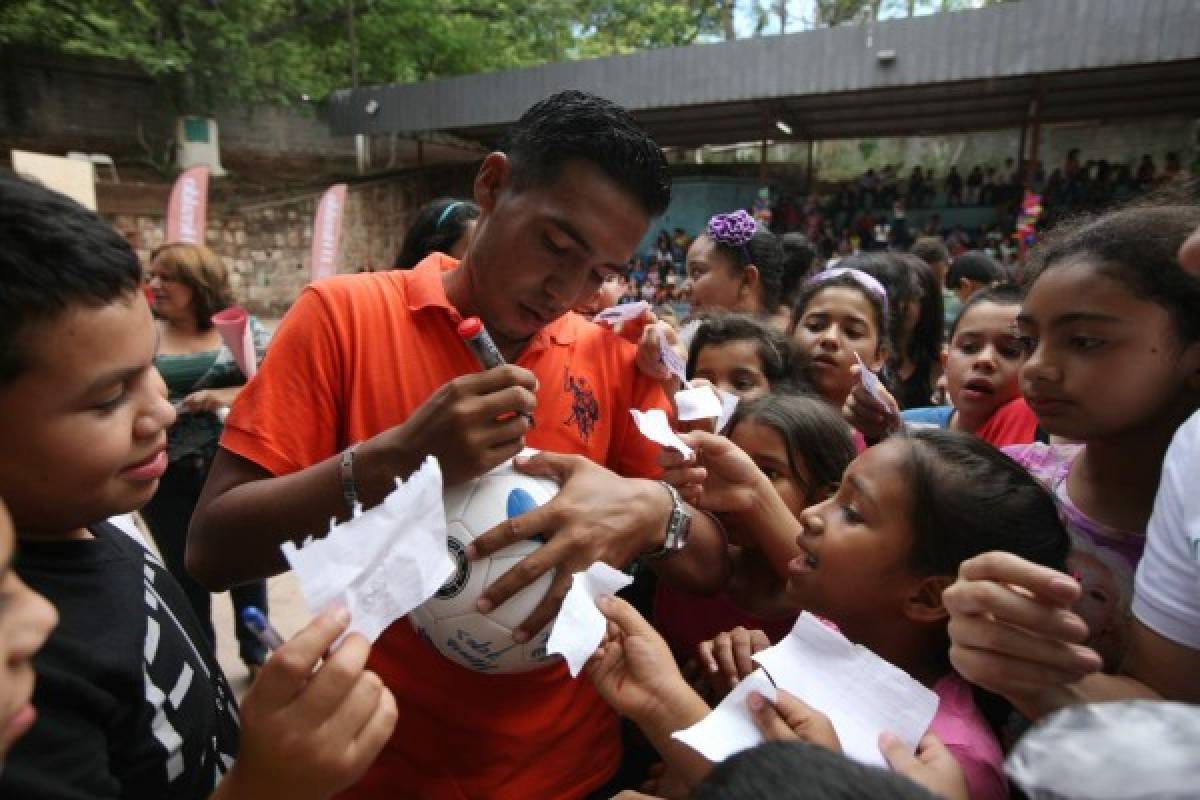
130, 699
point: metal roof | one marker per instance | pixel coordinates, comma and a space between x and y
1084, 60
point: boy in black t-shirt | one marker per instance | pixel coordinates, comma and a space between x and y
130, 700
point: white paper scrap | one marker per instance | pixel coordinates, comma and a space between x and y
871, 382
701, 402
675, 365
655, 426
688, 332
579, 627
862, 694
622, 312
383, 563
730, 727
729, 404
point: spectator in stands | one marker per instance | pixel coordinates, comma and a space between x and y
954, 188
933, 225
1174, 168
1071, 165
1146, 172
868, 189
974, 185
899, 235
916, 187
988, 194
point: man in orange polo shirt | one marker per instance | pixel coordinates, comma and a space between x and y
366, 376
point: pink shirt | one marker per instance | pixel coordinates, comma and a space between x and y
1103, 558
969, 739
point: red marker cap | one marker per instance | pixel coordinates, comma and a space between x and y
470, 327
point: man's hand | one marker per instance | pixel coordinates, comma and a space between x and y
596, 516
306, 733
727, 658
722, 478
1012, 631
933, 767
635, 673
471, 424
790, 718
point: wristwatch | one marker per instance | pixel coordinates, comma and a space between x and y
679, 526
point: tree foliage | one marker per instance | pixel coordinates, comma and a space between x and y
209, 53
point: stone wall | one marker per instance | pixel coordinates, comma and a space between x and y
266, 243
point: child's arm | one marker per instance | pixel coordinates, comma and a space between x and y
933, 766
635, 673
310, 731
723, 479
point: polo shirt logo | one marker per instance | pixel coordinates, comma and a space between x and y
585, 411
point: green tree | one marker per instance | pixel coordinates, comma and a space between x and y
209, 53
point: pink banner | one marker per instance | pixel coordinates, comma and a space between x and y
234, 326
187, 210
327, 231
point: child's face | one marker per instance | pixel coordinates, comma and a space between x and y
983, 363
26, 619
837, 323
853, 566
711, 281
768, 450
1101, 362
733, 366
84, 427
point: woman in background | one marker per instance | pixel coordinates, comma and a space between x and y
188, 284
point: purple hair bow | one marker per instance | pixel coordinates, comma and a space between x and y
735, 229
864, 280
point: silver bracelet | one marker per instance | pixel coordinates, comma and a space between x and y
346, 474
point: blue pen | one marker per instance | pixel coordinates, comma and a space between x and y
261, 627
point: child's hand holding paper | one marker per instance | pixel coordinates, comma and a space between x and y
870, 407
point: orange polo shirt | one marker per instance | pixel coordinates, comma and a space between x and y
358, 354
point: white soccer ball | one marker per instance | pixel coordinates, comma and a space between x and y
448, 620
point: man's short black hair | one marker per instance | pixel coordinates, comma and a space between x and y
574, 125
54, 254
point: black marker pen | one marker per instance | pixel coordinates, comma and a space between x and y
480, 341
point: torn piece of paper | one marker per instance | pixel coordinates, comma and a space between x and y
383, 563
579, 627
655, 426
730, 728
623, 312
675, 365
701, 402
871, 382
862, 694
729, 404
688, 332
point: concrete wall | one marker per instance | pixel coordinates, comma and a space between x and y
63, 103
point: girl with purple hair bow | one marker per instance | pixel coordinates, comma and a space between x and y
735, 266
